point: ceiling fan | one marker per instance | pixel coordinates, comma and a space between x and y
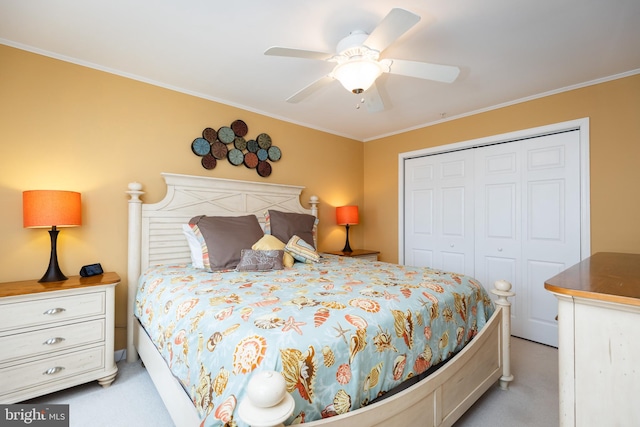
359, 64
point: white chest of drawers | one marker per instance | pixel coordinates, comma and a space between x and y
56, 335
598, 330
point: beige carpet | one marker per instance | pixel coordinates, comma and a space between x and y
131, 401
532, 398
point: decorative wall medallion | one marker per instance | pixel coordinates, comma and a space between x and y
229, 142
250, 160
219, 150
200, 147
210, 135
274, 153
226, 135
240, 143
235, 157
264, 169
264, 140
262, 155
240, 128
208, 161
252, 146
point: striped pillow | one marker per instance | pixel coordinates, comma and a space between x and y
301, 250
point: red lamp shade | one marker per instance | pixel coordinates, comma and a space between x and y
48, 208
347, 215
51, 208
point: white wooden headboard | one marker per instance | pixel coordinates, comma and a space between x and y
155, 230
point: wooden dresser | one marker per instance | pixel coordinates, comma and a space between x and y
56, 335
599, 340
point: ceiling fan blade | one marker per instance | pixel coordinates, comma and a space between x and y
297, 53
396, 23
308, 90
373, 100
425, 70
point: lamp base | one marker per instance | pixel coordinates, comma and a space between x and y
347, 247
53, 273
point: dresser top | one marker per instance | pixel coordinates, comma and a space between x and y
354, 253
604, 276
10, 289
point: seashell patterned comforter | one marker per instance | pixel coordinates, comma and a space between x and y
342, 331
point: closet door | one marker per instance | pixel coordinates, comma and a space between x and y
439, 212
498, 212
550, 228
504, 211
528, 223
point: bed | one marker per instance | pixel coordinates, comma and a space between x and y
372, 326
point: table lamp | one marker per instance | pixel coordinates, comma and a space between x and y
347, 215
51, 208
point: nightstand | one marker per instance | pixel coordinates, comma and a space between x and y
56, 335
358, 253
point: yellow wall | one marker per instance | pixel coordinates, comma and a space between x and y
613, 109
68, 127
63, 126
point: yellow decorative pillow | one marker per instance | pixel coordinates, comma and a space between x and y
269, 242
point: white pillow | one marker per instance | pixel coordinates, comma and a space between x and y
194, 246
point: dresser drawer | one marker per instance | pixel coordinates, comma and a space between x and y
47, 310
42, 341
50, 369
372, 257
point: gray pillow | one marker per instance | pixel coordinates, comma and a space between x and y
285, 225
256, 260
226, 236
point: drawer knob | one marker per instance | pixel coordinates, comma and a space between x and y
53, 370
52, 341
54, 311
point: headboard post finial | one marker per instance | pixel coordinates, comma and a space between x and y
135, 191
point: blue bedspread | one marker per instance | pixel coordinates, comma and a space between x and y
342, 331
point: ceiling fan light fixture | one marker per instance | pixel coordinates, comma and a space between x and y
358, 74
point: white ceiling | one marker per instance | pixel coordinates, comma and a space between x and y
508, 50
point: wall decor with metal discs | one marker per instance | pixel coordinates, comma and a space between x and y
229, 142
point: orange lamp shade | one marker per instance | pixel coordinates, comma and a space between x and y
347, 215
48, 208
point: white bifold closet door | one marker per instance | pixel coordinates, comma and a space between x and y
505, 211
439, 212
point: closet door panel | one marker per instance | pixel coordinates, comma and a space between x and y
454, 230
420, 187
540, 324
439, 219
454, 221
423, 233
497, 213
551, 226
500, 211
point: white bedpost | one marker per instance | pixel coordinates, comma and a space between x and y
503, 291
313, 201
133, 272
